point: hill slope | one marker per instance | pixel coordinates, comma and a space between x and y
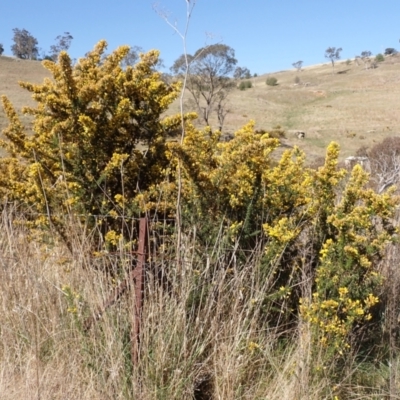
353, 106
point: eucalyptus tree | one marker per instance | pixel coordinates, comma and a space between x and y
209, 80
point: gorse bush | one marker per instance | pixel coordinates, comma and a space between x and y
91, 122
271, 81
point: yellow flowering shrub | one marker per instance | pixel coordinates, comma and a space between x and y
346, 279
98, 137
321, 221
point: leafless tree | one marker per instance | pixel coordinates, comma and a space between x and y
25, 45
384, 161
333, 54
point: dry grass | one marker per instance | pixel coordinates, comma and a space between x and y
13, 70
201, 335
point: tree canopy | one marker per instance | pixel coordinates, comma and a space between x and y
298, 65
333, 54
63, 42
25, 45
209, 72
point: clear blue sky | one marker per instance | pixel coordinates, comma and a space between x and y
267, 35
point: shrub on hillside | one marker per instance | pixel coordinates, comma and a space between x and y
1, 49
271, 81
245, 85
379, 58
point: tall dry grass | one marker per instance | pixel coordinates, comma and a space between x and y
202, 332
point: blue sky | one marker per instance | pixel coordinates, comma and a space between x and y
267, 35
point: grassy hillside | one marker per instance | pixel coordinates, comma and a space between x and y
354, 106
13, 70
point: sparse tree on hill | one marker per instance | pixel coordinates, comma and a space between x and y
366, 58
242, 73
209, 79
390, 51
333, 54
25, 45
63, 43
298, 65
1, 49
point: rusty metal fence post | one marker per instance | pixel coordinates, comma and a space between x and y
139, 289
135, 281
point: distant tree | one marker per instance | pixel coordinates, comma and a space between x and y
132, 57
365, 57
63, 43
242, 73
298, 65
333, 54
365, 54
1, 49
390, 51
25, 45
209, 79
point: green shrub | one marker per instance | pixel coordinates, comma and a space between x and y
379, 57
271, 81
245, 85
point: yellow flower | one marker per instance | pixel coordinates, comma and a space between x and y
253, 346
